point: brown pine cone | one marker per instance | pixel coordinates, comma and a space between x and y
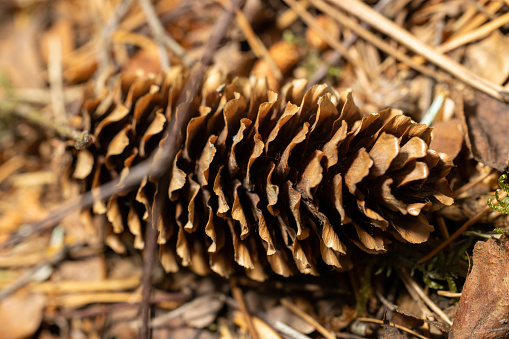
261, 179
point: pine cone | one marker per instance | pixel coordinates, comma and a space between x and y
288, 181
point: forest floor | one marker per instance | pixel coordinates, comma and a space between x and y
444, 63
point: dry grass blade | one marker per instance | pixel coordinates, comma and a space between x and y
473, 35
372, 38
292, 307
479, 19
384, 25
239, 298
311, 22
411, 284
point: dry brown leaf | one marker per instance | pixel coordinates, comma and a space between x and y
485, 121
483, 310
21, 314
488, 57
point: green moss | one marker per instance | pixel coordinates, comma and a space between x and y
503, 203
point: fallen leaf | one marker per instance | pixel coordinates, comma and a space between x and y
21, 314
488, 57
483, 310
485, 121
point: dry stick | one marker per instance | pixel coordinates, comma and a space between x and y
239, 298
309, 319
373, 39
334, 43
27, 276
476, 34
146, 283
162, 38
42, 96
336, 56
377, 321
384, 25
460, 230
153, 166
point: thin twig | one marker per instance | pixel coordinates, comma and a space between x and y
104, 43
405, 329
256, 44
309, 319
289, 16
27, 276
334, 43
460, 230
334, 58
33, 115
43, 96
471, 183
162, 38
479, 19
384, 25
411, 284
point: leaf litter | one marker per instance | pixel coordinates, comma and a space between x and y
470, 128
